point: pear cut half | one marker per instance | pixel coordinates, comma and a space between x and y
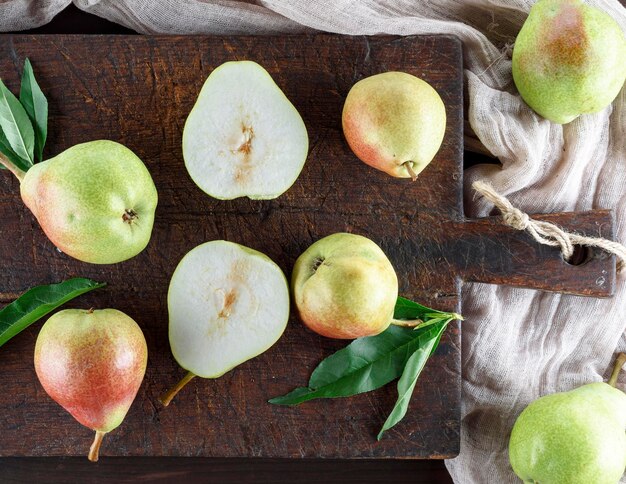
227, 304
243, 136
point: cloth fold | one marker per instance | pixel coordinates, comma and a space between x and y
517, 344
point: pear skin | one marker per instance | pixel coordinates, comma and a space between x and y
575, 437
569, 59
345, 287
92, 363
394, 122
95, 201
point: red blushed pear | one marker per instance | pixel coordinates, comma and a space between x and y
394, 122
95, 201
345, 287
569, 59
92, 363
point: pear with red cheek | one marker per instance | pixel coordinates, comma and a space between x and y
569, 59
345, 287
394, 122
95, 201
92, 363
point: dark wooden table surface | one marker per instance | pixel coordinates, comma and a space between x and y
139, 90
147, 469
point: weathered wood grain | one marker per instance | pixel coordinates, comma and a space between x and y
138, 91
515, 258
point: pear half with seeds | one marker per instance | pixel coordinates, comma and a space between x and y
227, 304
243, 137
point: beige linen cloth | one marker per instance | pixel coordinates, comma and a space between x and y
517, 344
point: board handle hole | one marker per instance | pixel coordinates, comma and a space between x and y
581, 255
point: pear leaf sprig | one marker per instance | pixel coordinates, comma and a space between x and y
23, 124
39, 301
371, 362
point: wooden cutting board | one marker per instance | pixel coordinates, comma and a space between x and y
139, 91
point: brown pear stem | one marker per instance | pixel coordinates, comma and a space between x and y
619, 363
412, 323
409, 168
95, 447
9, 165
171, 393
406, 323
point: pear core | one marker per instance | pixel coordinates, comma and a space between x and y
227, 303
243, 136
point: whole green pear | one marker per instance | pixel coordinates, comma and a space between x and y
95, 201
345, 287
575, 437
394, 122
569, 59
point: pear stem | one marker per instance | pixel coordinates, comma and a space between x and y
409, 168
619, 363
171, 393
95, 447
412, 323
9, 165
406, 323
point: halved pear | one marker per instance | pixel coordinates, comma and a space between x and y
243, 136
227, 304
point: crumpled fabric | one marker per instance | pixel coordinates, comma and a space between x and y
517, 344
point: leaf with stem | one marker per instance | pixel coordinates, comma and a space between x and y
364, 365
369, 363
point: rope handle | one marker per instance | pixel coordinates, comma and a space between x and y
545, 232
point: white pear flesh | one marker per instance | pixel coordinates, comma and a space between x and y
243, 137
227, 304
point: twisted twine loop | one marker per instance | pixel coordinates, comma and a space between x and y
545, 232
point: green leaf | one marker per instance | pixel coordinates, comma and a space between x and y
407, 309
39, 301
412, 370
16, 125
364, 365
369, 363
36, 106
5, 149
